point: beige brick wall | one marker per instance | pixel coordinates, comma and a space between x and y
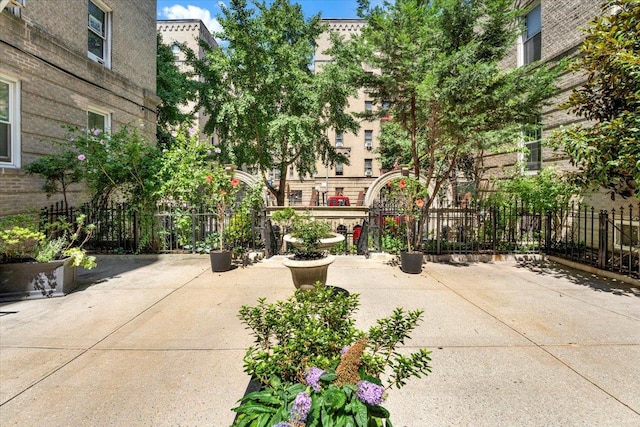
46, 49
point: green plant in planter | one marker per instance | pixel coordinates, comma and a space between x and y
316, 372
20, 241
308, 231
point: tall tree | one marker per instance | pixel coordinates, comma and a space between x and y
437, 72
269, 108
175, 90
607, 153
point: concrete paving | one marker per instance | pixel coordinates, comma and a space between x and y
155, 341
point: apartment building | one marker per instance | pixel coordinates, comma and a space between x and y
353, 179
189, 32
552, 31
84, 63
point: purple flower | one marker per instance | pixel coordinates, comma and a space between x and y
81, 157
283, 424
209, 152
218, 150
301, 406
313, 377
174, 133
344, 350
370, 393
192, 131
96, 132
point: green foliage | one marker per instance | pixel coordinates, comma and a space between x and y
607, 154
308, 231
546, 191
449, 98
121, 163
409, 195
21, 240
175, 90
191, 177
288, 339
264, 101
299, 338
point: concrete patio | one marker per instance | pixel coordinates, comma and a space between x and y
155, 341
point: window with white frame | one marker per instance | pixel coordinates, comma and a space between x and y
339, 139
176, 52
15, 7
339, 169
9, 122
368, 139
99, 32
368, 106
533, 147
368, 167
532, 36
98, 120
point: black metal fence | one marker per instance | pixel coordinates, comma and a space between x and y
122, 228
605, 239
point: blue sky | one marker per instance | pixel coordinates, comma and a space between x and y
206, 10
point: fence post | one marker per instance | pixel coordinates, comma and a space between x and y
603, 240
494, 227
547, 237
193, 230
135, 231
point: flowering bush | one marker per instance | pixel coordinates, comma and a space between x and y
311, 376
409, 194
192, 178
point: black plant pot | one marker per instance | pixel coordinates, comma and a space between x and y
220, 260
411, 262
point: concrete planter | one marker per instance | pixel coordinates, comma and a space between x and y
305, 273
326, 243
31, 280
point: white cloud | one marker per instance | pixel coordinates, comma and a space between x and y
192, 12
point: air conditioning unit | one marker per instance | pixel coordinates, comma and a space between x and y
367, 145
367, 173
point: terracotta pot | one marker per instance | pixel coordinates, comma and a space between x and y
305, 273
220, 260
411, 262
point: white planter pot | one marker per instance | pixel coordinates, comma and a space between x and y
305, 273
325, 243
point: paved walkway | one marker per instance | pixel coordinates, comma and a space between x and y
155, 341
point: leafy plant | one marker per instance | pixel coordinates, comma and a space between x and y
308, 231
317, 372
409, 195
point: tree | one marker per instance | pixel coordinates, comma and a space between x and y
439, 74
607, 154
269, 108
175, 90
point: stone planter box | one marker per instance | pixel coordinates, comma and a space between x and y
31, 280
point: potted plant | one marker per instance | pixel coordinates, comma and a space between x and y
34, 264
310, 262
319, 369
409, 194
220, 189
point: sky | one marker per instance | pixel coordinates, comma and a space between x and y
207, 10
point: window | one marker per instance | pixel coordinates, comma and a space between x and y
532, 36
339, 139
339, 169
533, 146
368, 167
15, 7
295, 197
368, 106
368, 139
176, 52
98, 120
9, 122
99, 33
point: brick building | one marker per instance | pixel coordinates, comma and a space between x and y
349, 180
188, 32
85, 63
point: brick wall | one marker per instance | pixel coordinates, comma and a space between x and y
46, 49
